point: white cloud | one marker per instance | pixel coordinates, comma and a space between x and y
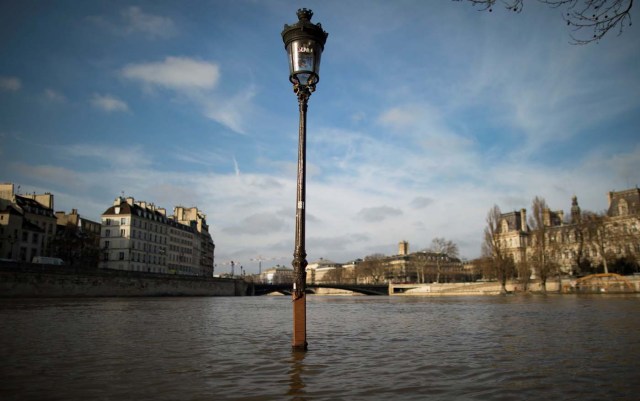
379, 213
230, 111
258, 224
10, 84
54, 96
178, 73
420, 202
152, 25
135, 21
114, 156
197, 81
108, 103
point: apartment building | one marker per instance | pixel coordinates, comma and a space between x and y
27, 224
138, 236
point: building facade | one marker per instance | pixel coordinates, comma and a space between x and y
138, 236
582, 239
77, 239
27, 224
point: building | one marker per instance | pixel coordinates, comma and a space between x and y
27, 224
405, 267
77, 239
582, 240
323, 271
277, 275
139, 236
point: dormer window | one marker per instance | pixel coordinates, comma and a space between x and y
623, 208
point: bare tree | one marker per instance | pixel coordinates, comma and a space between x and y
523, 268
442, 249
597, 17
373, 269
595, 233
334, 276
493, 249
539, 243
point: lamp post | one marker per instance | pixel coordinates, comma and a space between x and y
304, 43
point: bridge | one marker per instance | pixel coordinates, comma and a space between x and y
366, 289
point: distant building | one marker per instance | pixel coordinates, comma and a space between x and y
27, 224
579, 239
320, 271
277, 275
77, 239
138, 236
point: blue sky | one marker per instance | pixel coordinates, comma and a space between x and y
426, 115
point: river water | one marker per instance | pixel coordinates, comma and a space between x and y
360, 348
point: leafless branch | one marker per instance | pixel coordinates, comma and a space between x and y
598, 17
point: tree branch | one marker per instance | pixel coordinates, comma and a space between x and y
598, 17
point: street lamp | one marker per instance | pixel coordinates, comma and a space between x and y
304, 43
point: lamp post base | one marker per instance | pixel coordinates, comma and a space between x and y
299, 323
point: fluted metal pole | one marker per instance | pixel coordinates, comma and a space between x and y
299, 254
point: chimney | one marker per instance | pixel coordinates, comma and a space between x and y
523, 219
546, 217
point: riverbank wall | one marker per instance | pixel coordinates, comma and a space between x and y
623, 284
44, 281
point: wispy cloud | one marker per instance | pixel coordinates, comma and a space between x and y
108, 103
235, 167
116, 157
133, 20
420, 202
196, 81
177, 73
259, 224
374, 214
10, 84
54, 96
153, 25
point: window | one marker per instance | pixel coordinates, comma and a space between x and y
123, 232
107, 233
123, 220
35, 238
623, 208
106, 244
121, 256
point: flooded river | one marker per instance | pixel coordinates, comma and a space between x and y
360, 348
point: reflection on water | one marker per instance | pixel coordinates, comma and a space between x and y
296, 385
360, 348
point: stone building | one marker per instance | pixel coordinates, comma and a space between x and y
139, 236
582, 239
77, 239
276, 275
27, 224
322, 271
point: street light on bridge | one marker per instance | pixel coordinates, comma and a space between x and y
304, 43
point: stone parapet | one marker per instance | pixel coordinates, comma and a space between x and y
27, 281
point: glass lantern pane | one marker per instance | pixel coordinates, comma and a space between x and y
304, 60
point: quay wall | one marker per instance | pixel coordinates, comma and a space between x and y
45, 281
566, 285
